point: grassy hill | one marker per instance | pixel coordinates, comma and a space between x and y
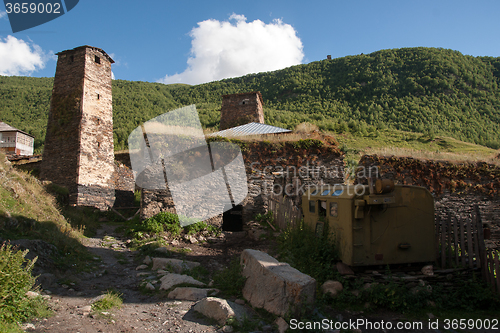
421, 90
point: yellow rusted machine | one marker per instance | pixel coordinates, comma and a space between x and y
375, 224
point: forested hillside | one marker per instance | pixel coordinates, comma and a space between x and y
424, 90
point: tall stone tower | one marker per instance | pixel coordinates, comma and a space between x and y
78, 152
240, 109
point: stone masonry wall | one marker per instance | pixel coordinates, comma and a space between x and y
78, 151
240, 109
288, 168
457, 187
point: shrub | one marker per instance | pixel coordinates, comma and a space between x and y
108, 301
15, 281
230, 280
312, 254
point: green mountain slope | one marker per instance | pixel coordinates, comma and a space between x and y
424, 90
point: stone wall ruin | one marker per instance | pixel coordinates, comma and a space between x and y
288, 168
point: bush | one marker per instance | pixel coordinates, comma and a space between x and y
109, 300
15, 281
312, 254
230, 280
170, 222
164, 221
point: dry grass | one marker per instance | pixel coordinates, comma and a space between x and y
306, 128
28, 210
430, 155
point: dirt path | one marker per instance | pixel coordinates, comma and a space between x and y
71, 299
116, 269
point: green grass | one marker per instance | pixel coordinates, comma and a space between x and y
28, 210
15, 281
230, 280
111, 299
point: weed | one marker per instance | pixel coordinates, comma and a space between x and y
110, 299
230, 280
311, 254
15, 281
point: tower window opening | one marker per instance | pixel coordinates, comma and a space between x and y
97, 59
71, 58
98, 96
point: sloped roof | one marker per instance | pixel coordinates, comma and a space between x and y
7, 128
250, 129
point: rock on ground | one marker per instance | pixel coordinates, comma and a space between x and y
189, 293
220, 309
274, 286
170, 280
177, 265
332, 287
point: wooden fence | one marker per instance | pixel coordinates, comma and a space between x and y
285, 213
460, 243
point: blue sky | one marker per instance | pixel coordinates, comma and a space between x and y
200, 41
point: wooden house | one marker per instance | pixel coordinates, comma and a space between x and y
14, 141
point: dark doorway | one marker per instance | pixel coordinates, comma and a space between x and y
232, 220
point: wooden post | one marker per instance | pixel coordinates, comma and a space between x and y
462, 241
476, 228
469, 242
497, 270
443, 244
482, 247
455, 236
449, 257
437, 223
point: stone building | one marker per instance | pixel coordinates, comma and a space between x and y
239, 109
78, 151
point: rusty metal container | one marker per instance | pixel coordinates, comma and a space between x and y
387, 224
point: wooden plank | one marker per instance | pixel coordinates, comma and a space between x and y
488, 265
448, 240
491, 265
497, 270
436, 226
469, 242
476, 241
482, 247
443, 244
455, 238
462, 241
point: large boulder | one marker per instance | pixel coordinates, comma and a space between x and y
220, 309
275, 286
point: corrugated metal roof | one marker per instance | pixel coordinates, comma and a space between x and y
250, 129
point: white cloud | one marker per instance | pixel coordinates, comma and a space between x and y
2, 14
18, 57
230, 49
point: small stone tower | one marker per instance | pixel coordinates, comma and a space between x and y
240, 109
79, 150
